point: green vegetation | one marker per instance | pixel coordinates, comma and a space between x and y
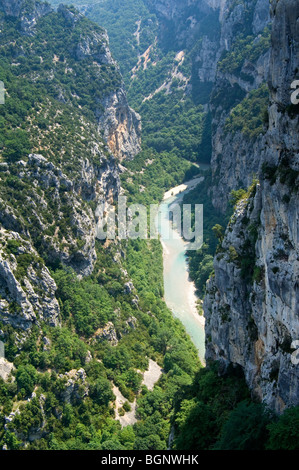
245, 257
84, 418
247, 48
201, 261
49, 87
251, 115
157, 81
216, 413
61, 390
204, 407
283, 432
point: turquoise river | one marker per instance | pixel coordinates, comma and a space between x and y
179, 290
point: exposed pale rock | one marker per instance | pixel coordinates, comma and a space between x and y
76, 386
236, 157
46, 343
11, 7
107, 333
252, 314
6, 368
88, 358
28, 16
34, 298
122, 126
261, 15
132, 322
129, 287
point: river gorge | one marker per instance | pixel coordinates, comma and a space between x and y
179, 290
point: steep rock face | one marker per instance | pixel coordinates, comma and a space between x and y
186, 23
48, 199
170, 9
72, 243
251, 305
96, 183
122, 126
26, 287
11, 7
6, 368
243, 25
28, 15
119, 124
215, 22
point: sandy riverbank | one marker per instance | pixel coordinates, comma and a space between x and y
185, 187
179, 290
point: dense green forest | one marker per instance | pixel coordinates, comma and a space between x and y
84, 419
60, 393
210, 413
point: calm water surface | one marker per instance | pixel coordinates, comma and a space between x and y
179, 290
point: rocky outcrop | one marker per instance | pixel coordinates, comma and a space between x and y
26, 287
251, 306
28, 15
236, 157
97, 183
121, 126
218, 31
168, 9
107, 333
215, 22
11, 7
76, 386
6, 368
52, 187
52, 213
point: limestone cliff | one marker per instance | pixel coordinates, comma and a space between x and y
251, 306
27, 14
120, 124
224, 77
49, 196
245, 26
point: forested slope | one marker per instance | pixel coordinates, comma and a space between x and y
77, 317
